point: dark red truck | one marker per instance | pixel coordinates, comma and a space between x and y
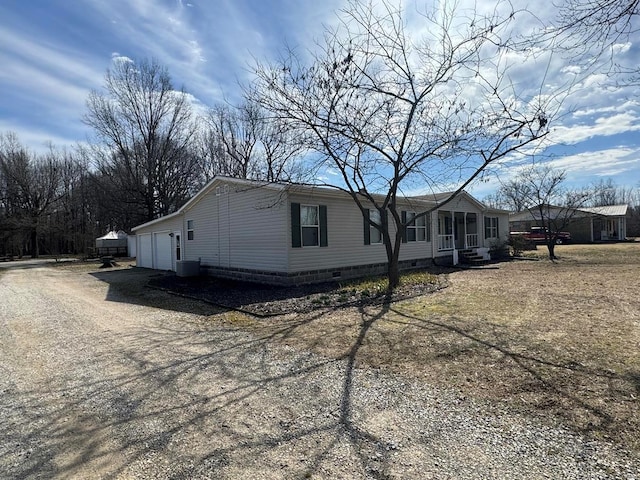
537, 235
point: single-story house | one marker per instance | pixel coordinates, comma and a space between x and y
586, 224
293, 234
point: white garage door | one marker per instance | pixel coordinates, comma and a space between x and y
162, 251
144, 256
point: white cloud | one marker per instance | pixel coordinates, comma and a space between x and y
621, 48
601, 127
116, 57
603, 163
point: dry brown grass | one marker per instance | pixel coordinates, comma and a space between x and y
560, 340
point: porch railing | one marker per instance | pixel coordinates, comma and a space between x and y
445, 242
472, 240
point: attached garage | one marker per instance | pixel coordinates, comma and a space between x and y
162, 251
144, 256
158, 243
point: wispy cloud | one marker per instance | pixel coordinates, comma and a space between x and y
603, 126
601, 163
52, 59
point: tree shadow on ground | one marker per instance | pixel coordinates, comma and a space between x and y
197, 397
591, 400
131, 285
218, 389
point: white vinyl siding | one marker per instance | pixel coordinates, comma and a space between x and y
345, 246
239, 228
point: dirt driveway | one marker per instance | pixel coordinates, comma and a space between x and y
103, 378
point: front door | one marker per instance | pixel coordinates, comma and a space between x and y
177, 248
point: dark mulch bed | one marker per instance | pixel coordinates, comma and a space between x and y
266, 300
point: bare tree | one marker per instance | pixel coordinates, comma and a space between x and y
516, 194
231, 140
599, 22
389, 112
495, 200
32, 189
595, 27
281, 152
240, 142
144, 128
552, 204
606, 192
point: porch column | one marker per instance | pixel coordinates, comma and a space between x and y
621, 229
453, 228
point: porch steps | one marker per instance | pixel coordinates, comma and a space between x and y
471, 257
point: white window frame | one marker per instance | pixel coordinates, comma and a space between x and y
190, 230
491, 226
412, 227
304, 226
375, 235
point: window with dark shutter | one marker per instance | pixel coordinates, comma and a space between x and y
367, 228
296, 232
308, 225
324, 237
403, 217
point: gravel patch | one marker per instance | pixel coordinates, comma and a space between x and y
97, 383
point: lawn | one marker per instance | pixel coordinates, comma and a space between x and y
559, 340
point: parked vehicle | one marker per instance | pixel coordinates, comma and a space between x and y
538, 235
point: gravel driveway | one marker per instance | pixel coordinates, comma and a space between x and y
101, 380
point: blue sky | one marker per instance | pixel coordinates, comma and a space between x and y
53, 53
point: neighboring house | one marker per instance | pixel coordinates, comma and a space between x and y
293, 234
586, 224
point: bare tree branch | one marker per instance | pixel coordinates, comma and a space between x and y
387, 111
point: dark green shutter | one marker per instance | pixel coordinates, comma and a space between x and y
324, 239
296, 233
497, 227
403, 216
385, 223
486, 228
367, 228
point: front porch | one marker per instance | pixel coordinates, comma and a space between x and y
457, 231
608, 229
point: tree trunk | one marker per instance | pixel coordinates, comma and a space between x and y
393, 258
34, 243
394, 275
551, 245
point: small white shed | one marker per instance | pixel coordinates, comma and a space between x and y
113, 243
